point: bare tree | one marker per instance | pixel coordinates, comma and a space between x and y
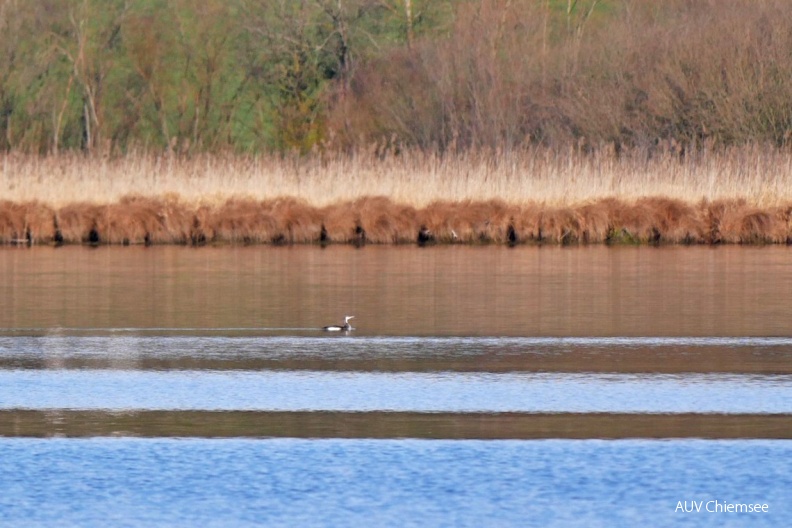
297, 47
9, 36
90, 46
148, 48
404, 11
205, 34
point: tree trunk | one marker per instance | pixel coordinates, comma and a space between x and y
408, 15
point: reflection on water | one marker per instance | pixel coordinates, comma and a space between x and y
451, 343
128, 350
414, 391
388, 424
238, 329
453, 291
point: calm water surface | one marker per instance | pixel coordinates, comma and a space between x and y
372, 391
112, 336
456, 291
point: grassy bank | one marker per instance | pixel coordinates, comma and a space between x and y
537, 196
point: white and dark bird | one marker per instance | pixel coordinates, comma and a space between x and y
338, 328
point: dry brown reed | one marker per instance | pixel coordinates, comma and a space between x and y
739, 222
740, 196
761, 176
26, 222
379, 220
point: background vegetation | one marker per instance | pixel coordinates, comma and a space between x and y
245, 76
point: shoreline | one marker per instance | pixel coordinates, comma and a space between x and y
534, 196
137, 220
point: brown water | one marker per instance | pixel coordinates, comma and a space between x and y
450, 342
453, 344
441, 291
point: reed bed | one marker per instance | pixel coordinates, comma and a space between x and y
537, 196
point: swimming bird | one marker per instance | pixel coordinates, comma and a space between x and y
337, 328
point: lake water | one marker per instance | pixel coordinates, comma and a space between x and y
405, 291
227, 405
292, 482
377, 391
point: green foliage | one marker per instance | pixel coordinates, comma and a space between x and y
247, 75
111, 76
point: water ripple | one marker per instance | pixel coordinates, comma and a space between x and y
412, 391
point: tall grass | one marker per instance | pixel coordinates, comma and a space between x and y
761, 176
741, 195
